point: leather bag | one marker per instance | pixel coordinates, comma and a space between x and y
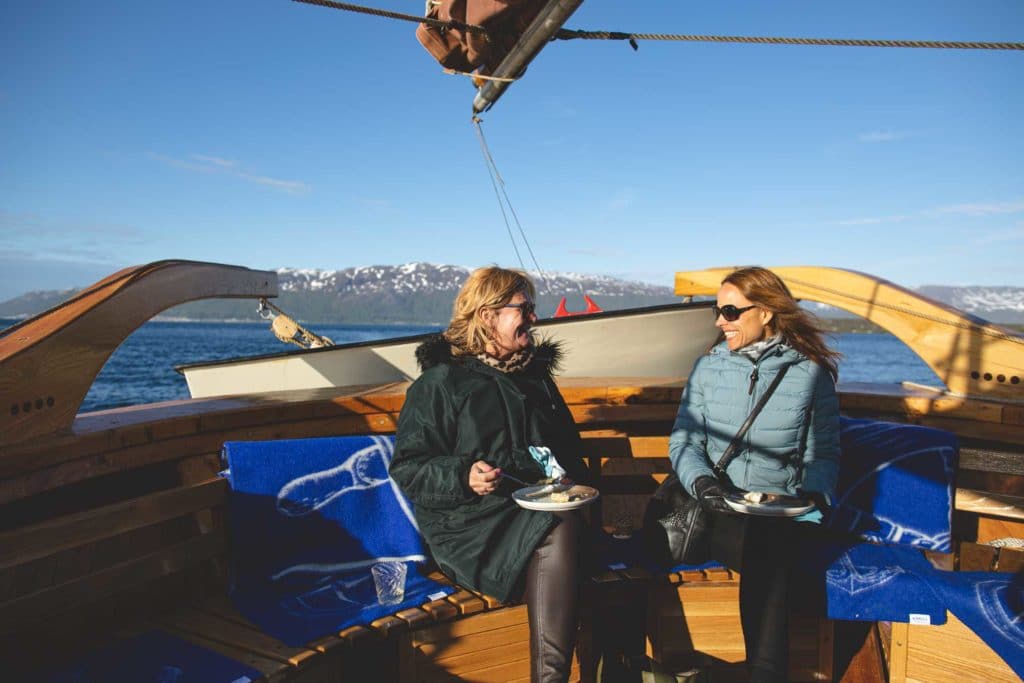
463, 50
446, 45
677, 529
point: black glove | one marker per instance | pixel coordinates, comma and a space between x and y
710, 494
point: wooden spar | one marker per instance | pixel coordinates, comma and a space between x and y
48, 362
529, 45
973, 357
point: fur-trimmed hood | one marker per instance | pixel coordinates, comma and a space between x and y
437, 350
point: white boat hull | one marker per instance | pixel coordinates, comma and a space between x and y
651, 342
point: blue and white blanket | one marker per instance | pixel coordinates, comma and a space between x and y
896, 484
321, 537
990, 604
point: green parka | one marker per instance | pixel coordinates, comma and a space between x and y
461, 410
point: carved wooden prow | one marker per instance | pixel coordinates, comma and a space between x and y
973, 357
48, 363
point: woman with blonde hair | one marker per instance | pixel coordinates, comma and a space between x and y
790, 449
485, 404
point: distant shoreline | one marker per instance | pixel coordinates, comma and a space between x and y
244, 321
830, 325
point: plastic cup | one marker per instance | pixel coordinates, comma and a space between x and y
389, 579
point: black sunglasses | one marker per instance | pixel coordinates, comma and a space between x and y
730, 312
526, 308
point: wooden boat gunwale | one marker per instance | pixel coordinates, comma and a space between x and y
971, 356
50, 361
153, 459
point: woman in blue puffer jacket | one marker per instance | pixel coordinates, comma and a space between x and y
792, 447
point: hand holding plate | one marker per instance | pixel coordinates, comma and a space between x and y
711, 495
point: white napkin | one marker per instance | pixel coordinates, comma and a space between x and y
547, 462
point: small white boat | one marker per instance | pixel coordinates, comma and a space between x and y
642, 342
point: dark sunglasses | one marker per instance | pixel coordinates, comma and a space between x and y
730, 312
526, 308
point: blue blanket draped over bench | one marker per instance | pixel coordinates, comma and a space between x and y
320, 537
992, 605
896, 487
896, 484
895, 491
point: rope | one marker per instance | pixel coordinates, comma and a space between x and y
472, 28
567, 34
287, 330
497, 181
478, 77
492, 171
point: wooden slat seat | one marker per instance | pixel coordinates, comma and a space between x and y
690, 617
120, 522
355, 653
409, 640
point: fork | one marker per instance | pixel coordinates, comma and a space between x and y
504, 475
562, 485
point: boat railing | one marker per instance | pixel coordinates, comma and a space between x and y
974, 358
49, 361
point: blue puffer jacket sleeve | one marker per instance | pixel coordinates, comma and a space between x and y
687, 447
821, 456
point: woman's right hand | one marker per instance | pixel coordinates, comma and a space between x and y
711, 495
483, 479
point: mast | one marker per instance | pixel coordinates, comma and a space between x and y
537, 34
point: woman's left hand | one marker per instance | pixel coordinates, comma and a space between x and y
820, 500
483, 479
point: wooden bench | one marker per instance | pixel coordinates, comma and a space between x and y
121, 567
118, 525
157, 561
73, 581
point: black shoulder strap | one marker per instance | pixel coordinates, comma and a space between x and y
733, 450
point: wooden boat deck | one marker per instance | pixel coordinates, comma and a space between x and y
117, 524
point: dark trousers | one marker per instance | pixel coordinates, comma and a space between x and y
552, 600
764, 550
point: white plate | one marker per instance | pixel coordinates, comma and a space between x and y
531, 498
788, 506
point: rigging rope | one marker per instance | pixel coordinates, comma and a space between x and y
497, 181
287, 330
472, 28
569, 34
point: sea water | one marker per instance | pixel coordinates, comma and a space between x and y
142, 370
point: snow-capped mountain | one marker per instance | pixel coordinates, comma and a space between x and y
417, 278
998, 304
422, 293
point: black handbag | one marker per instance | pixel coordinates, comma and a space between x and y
677, 529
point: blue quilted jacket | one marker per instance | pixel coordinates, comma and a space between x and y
794, 442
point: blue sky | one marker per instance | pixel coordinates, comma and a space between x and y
270, 133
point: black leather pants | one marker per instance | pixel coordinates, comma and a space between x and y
552, 600
763, 550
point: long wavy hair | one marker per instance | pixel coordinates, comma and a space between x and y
798, 327
491, 287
